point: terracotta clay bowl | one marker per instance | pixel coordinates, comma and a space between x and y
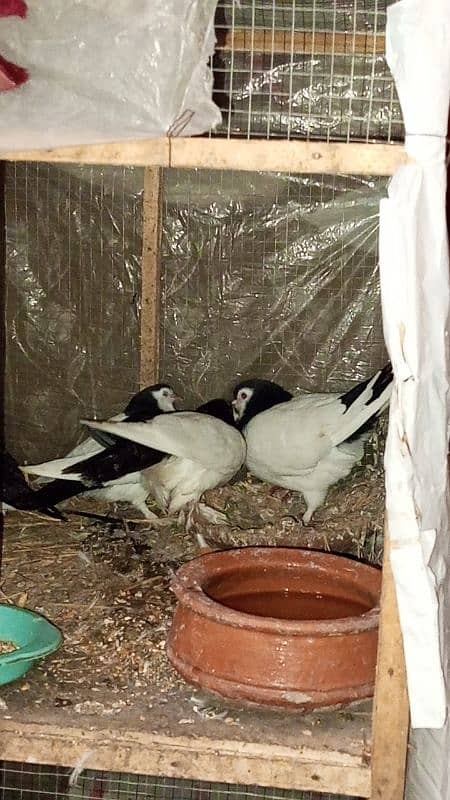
277, 626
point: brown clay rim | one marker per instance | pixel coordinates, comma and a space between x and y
188, 583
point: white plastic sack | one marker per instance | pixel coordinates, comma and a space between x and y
415, 293
102, 71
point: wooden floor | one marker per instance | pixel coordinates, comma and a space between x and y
109, 699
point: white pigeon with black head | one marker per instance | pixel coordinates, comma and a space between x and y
105, 467
308, 443
199, 450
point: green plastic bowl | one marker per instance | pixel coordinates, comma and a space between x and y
32, 634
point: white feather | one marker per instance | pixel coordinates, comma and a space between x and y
55, 469
87, 448
204, 452
130, 488
186, 434
300, 444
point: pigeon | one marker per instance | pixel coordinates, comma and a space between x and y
16, 495
105, 466
198, 450
307, 443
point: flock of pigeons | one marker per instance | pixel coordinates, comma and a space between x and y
304, 443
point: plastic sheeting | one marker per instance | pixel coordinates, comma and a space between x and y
270, 275
416, 306
105, 71
321, 97
74, 241
263, 274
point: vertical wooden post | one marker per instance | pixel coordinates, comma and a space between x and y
151, 276
391, 710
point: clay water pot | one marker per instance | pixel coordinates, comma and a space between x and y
277, 626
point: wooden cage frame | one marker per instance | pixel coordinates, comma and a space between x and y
381, 775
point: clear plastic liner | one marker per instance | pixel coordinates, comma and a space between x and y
263, 275
270, 275
74, 241
106, 71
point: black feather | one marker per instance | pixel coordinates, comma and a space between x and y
15, 492
266, 394
121, 459
103, 438
218, 408
142, 407
57, 491
382, 382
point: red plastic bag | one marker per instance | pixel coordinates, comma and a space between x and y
12, 76
13, 8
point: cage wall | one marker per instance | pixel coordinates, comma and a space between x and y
262, 274
308, 70
40, 782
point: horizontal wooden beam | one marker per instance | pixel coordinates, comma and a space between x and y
143, 152
301, 42
185, 757
288, 156
239, 154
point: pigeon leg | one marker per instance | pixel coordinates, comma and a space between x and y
314, 499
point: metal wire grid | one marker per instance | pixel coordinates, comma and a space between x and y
274, 275
308, 69
269, 275
38, 782
74, 241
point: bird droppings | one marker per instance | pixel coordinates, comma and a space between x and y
297, 697
7, 647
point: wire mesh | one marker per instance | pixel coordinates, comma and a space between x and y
269, 275
73, 258
264, 275
308, 69
39, 782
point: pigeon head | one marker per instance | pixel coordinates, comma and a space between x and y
253, 396
153, 400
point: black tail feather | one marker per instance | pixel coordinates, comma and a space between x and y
57, 491
382, 382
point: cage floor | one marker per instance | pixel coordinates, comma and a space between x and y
109, 699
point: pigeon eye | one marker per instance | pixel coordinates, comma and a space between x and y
244, 395
165, 393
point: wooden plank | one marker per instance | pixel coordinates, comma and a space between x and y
288, 156
391, 709
143, 152
239, 154
151, 276
185, 757
305, 42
